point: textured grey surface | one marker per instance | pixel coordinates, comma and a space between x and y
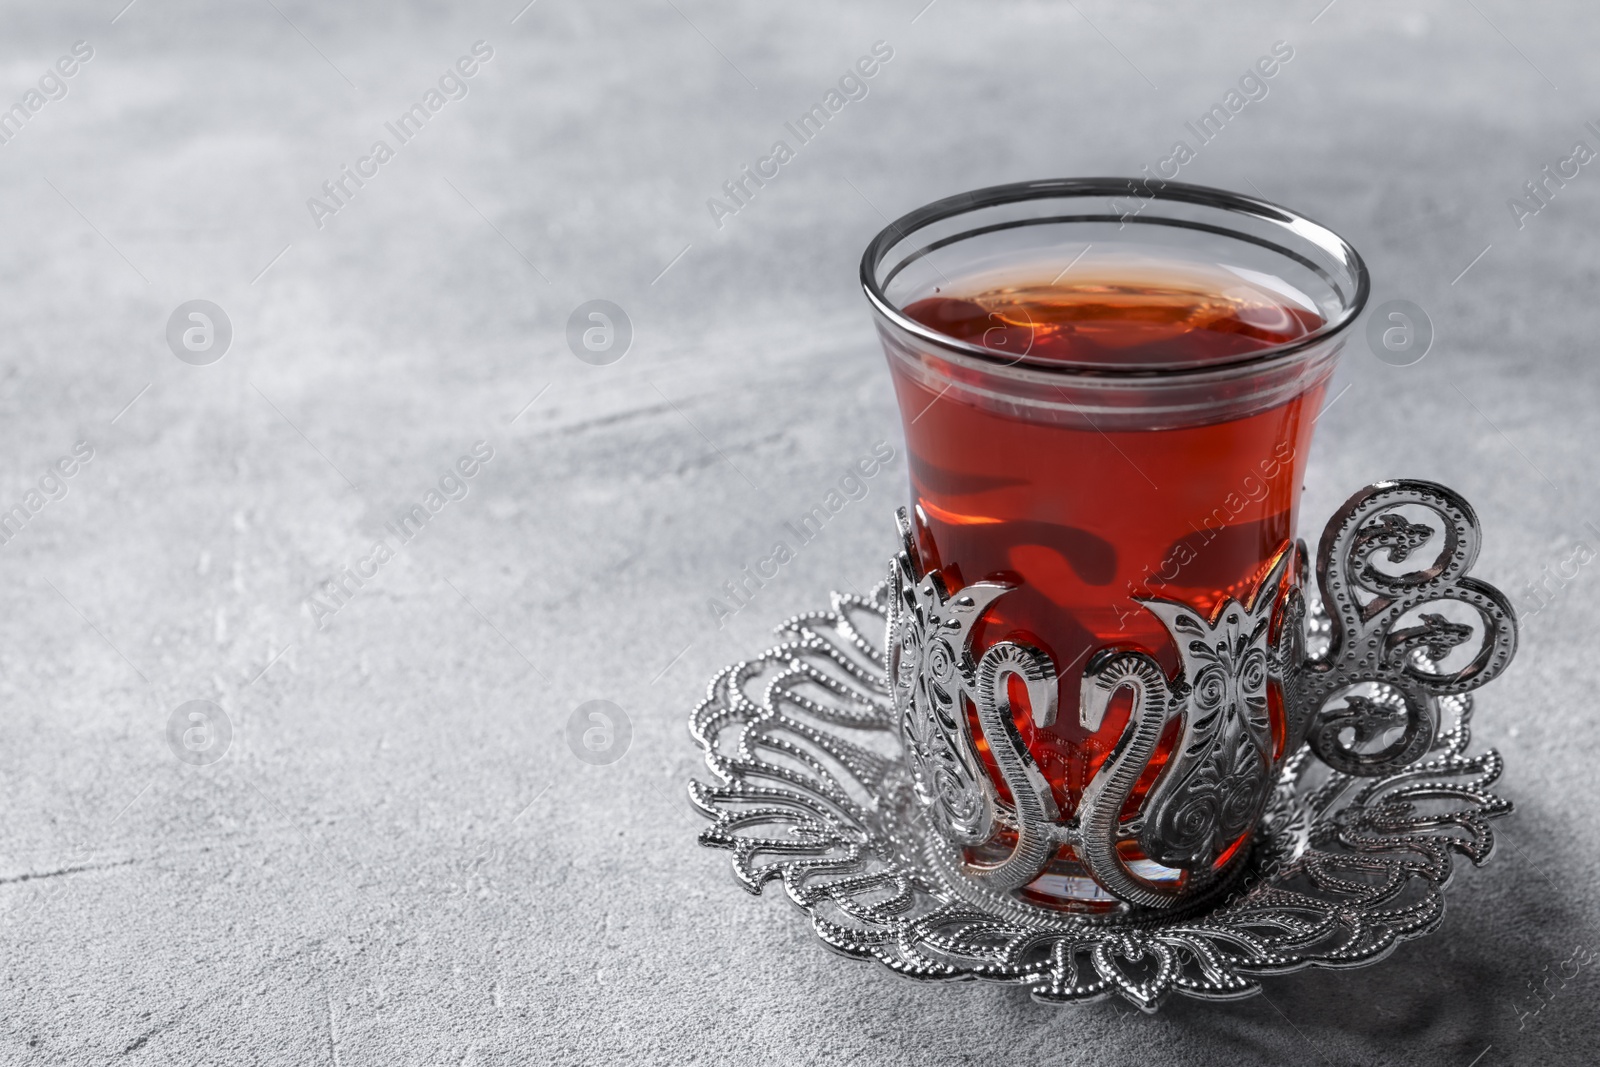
399, 859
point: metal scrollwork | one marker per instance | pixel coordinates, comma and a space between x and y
812, 791
1389, 562
1219, 775
930, 664
1232, 865
1208, 798
1379, 572
931, 628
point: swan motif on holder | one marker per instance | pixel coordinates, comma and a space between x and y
1218, 777
935, 678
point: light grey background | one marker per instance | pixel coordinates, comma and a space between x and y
399, 859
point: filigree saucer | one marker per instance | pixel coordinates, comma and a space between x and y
814, 792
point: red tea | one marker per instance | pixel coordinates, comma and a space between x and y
1083, 518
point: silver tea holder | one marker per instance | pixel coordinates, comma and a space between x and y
849, 771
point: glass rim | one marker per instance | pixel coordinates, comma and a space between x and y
1159, 189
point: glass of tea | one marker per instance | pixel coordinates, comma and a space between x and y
1108, 389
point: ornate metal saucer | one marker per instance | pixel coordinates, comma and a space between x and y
816, 790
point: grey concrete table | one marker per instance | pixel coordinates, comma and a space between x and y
397, 857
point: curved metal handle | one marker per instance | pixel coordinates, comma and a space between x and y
1394, 550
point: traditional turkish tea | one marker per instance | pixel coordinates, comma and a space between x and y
1083, 516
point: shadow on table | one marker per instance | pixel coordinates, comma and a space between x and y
1512, 967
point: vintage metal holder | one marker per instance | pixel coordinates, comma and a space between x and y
845, 773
